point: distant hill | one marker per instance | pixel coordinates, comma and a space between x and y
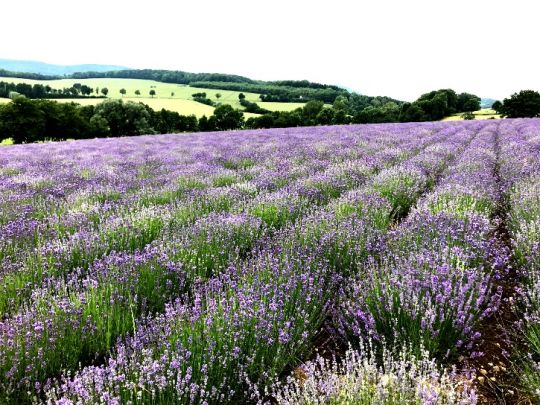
486, 102
272, 91
280, 91
53, 70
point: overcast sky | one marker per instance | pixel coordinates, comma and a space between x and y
399, 48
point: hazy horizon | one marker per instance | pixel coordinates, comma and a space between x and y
389, 48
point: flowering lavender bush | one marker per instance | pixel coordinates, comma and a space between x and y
360, 379
522, 181
519, 153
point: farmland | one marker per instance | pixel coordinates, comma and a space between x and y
181, 102
184, 107
225, 267
483, 114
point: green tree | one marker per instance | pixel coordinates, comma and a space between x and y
438, 107
3, 132
105, 91
137, 92
438, 104
218, 96
85, 90
468, 115
22, 120
172, 93
340, 103
152, 93
526, 103
225, 118
167, 122
497, 105
310, 111
63, 120
340, 117
204, 124
98, 127
124, 118
325, 116
123, 92
388, 112
201, 98
412, 113
241, 96
468, 102
262, 121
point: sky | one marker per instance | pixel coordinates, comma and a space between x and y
396, 48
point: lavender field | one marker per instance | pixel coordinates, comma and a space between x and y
367, 264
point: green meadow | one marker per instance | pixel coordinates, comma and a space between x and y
274, 106
171, 96
483, 114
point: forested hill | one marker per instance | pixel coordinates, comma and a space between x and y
282, 91
431, 106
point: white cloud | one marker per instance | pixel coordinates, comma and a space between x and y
395, 48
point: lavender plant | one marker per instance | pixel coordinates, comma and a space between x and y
361, 379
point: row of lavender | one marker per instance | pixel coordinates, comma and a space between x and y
80, 310
203, 269
520, 155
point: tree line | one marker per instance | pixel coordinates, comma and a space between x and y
430, 106
30, 120
165, 76
365, 110
27, 75
438, 104
278, 91
40, 91
26, 120
281, 91
526, 103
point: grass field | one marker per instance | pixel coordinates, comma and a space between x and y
186, 107
280, 106
181, 102
483, 114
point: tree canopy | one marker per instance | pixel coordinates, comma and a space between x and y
26, 120
526, 103
225, 117
437, 104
